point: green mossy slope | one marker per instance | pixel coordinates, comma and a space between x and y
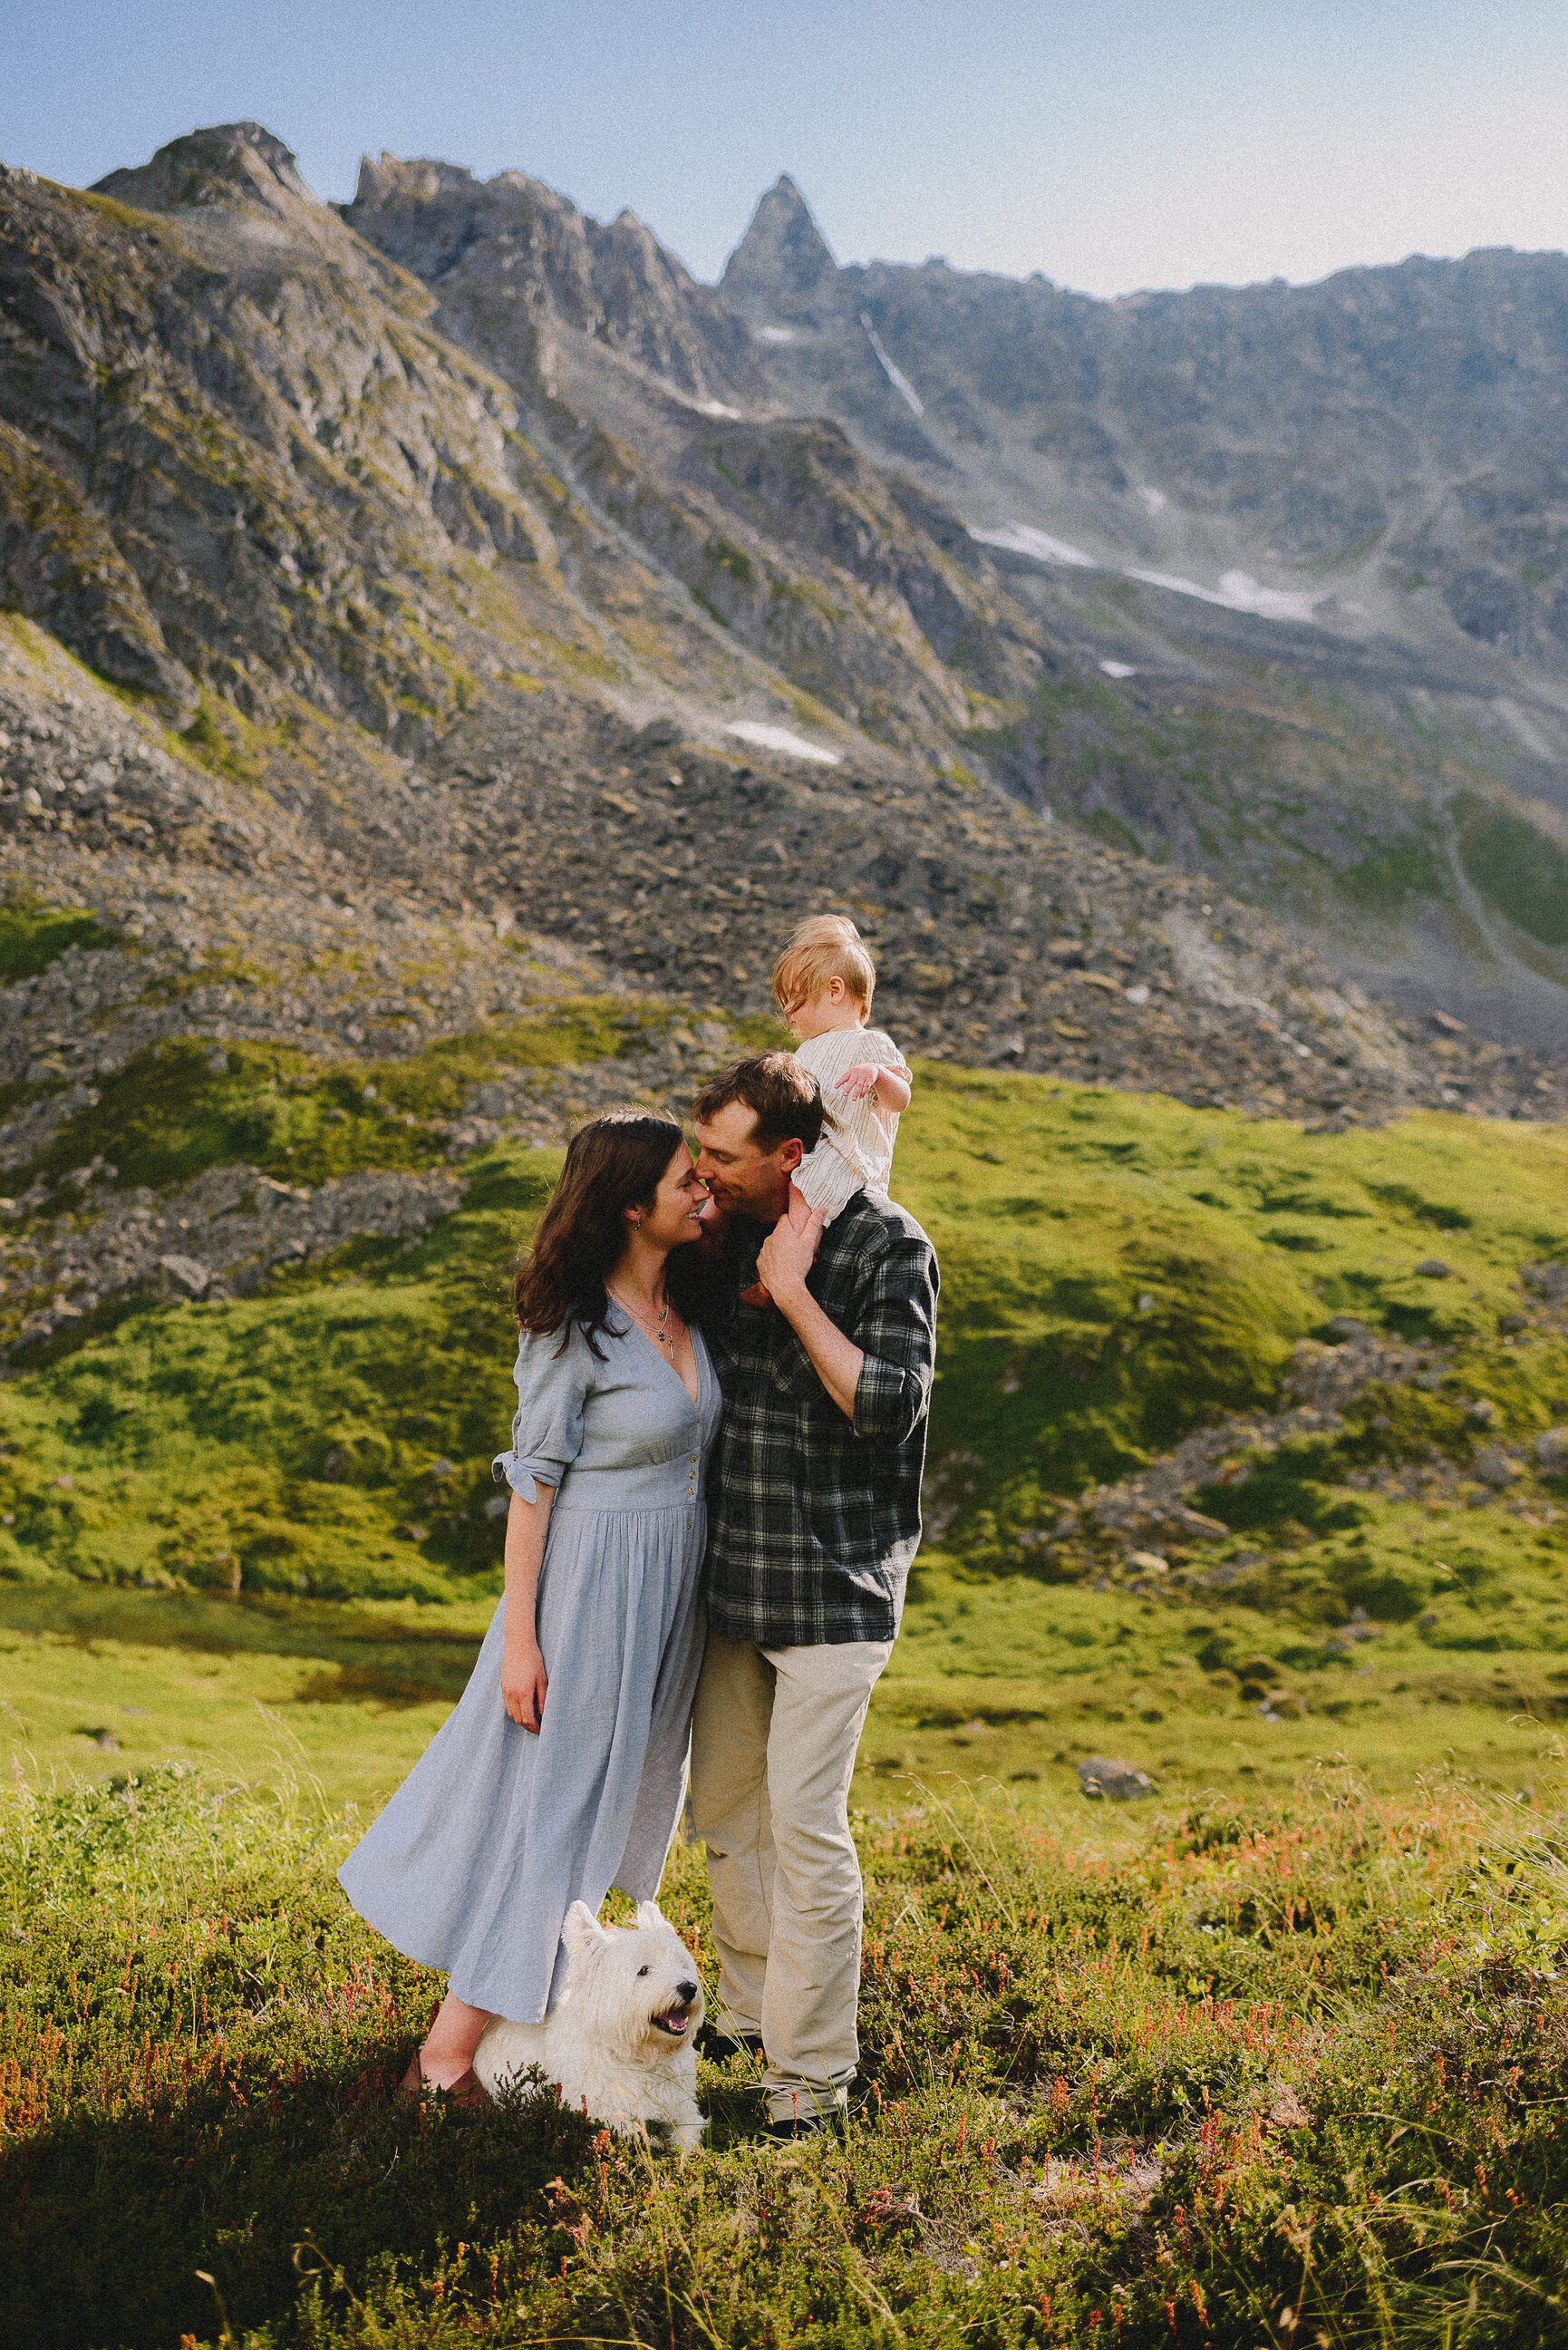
178, 1107
34, 932
291, 1437
1118, 1270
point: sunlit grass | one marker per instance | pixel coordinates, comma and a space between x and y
1229, 2074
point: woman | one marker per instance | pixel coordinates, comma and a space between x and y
562, 1770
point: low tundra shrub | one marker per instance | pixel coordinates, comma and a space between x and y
1287, 2074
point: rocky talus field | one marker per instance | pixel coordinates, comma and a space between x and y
205, 959
444, 649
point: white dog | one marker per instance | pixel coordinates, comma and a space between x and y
621, 2043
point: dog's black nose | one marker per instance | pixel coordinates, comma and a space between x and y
686, 1992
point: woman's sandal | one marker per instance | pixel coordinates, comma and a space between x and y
464, 2091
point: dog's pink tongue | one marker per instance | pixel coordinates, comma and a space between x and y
673, 2020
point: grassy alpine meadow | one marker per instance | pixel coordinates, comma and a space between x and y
1276, 2056
1118, 1271
1281, 2072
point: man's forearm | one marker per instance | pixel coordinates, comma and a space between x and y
836, 1359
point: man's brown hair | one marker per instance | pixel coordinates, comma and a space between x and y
783, 1095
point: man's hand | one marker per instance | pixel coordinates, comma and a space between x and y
523, 1683
789, 1252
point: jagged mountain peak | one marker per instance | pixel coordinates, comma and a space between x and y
512, 261
512, 204
385, 175
784, 259
228, 163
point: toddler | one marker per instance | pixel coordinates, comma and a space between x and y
824, 982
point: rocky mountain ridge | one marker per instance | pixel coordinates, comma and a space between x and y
427, 655
1331, 724
566, 273
1381, 424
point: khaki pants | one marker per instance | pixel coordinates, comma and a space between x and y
773, 1740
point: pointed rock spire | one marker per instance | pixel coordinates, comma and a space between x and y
783, 261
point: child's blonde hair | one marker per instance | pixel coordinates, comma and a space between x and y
824, 948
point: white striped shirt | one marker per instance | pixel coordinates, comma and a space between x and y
856, 1152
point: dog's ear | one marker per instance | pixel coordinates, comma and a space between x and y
581, 1931
649, 1914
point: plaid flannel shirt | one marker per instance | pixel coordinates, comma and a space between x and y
814, 1520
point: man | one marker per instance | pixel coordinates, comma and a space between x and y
813, 1516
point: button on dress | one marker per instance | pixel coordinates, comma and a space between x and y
474, 1863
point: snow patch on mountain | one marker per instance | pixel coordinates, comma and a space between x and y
1023, 538
1239, 592
899, 381
779, 738
1523, 728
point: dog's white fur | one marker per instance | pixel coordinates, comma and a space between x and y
621, 2044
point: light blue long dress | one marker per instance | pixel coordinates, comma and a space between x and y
495, 1833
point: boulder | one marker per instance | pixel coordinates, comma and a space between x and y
1432, 1268
1106, 1781
1552, 1451
1494, 1468
186, 1274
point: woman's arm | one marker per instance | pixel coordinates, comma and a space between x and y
522, 1666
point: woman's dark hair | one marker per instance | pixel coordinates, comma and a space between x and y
613, 1163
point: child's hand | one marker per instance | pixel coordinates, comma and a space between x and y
859, 1081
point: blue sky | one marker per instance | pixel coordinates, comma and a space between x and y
1110, 144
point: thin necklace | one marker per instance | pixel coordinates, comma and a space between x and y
662, 1335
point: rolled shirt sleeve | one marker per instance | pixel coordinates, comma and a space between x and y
895, 1330
547, 1431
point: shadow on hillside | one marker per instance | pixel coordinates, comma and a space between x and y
352, 1684
364, 1653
